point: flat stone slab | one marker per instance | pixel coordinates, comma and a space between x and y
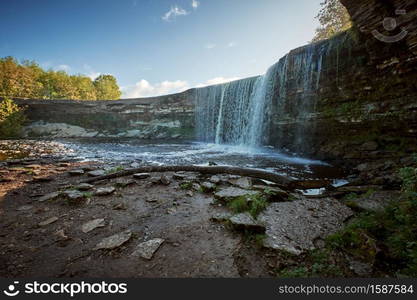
76, 172
91, 225
243, 182
24, 208
48, 221
74, 195
246, 221
114, 241
96, 173
376, 202
141, 175
231, 193
104, 191
84, 187
294, 226
50, 196
148, 249
208, 187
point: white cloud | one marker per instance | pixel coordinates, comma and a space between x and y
217, 80
90, 72
231, 44
65, 68
210, 46
174, 12
195, 4
144, 88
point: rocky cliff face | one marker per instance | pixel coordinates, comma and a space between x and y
170, 116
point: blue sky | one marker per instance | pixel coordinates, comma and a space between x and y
156, 46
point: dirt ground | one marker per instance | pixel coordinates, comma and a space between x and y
194, 245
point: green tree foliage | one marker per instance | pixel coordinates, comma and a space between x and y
333, 18
28, 80
11, 119
107, 88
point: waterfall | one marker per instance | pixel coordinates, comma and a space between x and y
244, 112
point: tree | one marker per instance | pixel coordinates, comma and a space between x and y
11, 119
107, 88
333, 18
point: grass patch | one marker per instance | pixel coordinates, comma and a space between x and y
253, 204
115, 170
186, 185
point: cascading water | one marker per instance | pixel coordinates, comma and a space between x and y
244, 112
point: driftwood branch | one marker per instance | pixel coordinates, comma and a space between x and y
281, 181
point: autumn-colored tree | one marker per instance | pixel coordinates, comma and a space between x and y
333, 18
11, 119
28, 80
107, 88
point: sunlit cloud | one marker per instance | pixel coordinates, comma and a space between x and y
174, 12
90, 72
144, 88
195, 4
65, 68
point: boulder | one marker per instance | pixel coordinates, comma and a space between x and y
76, 172
84, 187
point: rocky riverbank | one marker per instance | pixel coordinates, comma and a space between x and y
169, 224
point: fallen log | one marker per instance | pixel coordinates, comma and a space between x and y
281, 181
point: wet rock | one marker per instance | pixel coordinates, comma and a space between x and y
357, 189
221, 217
104, 191
119, 206
141, 175
179, 176
48, 197
74, 195
147, 249
48, 221
208, 187
91, 225
243, 182
215, 179
114, 241
96, 173
294, 226
76, 172
196, 187
155, 180
231, 193
24, 208
189, 193
84, 187
246, 221
165, 180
